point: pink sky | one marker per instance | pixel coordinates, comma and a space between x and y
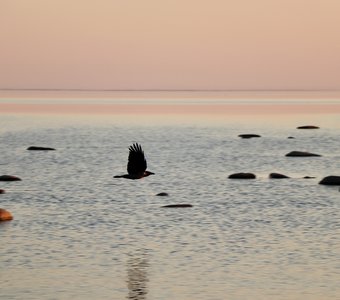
170, 44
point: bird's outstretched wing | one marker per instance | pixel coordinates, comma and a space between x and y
137, 164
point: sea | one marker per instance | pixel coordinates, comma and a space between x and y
79, 233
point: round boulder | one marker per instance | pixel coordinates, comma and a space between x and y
242, 176
5, 215
330, 180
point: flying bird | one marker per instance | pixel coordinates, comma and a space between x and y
136, 166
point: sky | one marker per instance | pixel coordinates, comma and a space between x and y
170, 44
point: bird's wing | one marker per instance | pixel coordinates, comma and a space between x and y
137, 164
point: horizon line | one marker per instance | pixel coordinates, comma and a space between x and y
166, 90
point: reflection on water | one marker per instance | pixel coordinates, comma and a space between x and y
137, 276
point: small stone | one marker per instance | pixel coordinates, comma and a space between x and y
277, 176
177, 205
35, 148
5, 215
162, 194
301, 154
9, 178
2, 191
249, 135
242, 176
308, 127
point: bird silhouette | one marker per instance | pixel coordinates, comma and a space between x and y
136, 166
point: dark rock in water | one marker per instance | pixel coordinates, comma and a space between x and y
5, 215
2, 191
177, 205
162, 194
242, 176
35, 148
330, 180
308, 177
301, 154
248, 136
290, 137
9, 178
308, 127
277, 176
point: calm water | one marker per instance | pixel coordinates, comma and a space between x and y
78, 233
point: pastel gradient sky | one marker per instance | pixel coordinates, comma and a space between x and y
170, 44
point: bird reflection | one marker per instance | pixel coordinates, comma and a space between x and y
137, 277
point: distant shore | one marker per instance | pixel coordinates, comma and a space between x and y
169, 102
166, 94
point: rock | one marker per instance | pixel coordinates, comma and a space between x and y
5, 215
277, 176
9, 178
162, 194
301, 153
290, 137
308, 127
308, 177
2, 191
177, 205
248, 136
330, 180
242, 176
35, 148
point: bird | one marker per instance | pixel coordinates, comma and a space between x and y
136, 166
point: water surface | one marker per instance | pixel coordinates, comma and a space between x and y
79, 233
